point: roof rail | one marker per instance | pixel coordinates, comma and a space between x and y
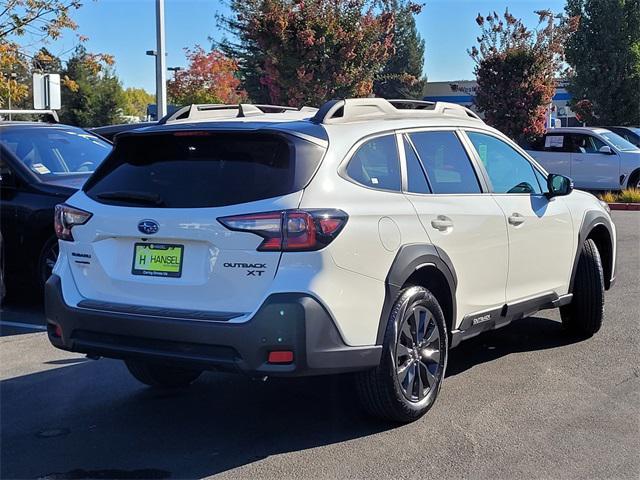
51, 113
221, 110
362, 109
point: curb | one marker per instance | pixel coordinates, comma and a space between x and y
624, 206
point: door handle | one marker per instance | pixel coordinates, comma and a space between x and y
442, 223
516, 219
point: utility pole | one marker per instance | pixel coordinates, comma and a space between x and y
161, 71
12, 75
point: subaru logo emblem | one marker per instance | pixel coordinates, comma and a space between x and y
148, 227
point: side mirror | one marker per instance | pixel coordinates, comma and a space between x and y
559, 185
606, 149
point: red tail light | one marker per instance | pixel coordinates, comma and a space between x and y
290, 230
65, 218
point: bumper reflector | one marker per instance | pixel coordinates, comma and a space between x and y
281, 356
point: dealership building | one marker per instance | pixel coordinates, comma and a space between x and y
463, 92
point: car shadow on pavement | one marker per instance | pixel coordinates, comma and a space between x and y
92, 420
525, 335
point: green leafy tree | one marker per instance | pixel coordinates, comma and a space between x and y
516, 70
92, 94
604, 55
402, 76
135, 102
304, 52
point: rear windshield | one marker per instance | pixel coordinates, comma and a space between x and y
51, 152
203, 169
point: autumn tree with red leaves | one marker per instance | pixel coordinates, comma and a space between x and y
210, 78
298, 52
517, 69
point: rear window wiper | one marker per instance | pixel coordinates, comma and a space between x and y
129, 196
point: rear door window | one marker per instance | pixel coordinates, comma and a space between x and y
448, 168
556, 142
203, 169
416, 178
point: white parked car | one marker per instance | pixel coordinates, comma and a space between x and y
594, 158
361, 237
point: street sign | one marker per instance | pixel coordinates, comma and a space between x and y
46, 91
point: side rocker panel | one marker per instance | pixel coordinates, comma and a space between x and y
409, 259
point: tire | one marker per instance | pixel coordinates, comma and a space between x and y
583, 316
399, 394
46, 260
634, 180
159, 375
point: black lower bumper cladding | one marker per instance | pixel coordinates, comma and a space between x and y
287, 321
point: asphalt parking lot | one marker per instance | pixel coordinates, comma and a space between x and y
521, 402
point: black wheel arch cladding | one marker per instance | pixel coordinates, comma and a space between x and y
410, 261
597, 226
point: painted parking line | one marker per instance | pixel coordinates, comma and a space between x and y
30, 326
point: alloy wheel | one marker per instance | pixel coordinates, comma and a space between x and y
417, 354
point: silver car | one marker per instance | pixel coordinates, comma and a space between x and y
595, 158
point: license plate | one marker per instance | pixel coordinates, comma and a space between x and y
157, 259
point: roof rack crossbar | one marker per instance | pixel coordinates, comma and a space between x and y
198, 111
361, 109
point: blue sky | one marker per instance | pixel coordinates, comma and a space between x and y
126, 29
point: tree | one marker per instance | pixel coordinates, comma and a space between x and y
91, 94
136, 101
299, 52
210, 78
516, 70
402, 76
42, 20
604, 55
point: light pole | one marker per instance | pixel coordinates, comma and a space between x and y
175, 71
12, 75
161, 72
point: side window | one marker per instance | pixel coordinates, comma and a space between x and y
416, 179
556, 143
446, 163
376, 164
585, 143
508, 171
542, 180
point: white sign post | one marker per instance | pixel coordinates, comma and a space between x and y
46, 91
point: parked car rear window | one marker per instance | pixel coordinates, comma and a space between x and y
203, 169
54, 151
448, 167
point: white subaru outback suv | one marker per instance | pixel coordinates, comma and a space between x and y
363, 237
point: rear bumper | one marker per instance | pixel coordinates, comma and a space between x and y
286, 321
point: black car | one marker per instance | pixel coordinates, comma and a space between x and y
41, 165
110, 131
630, 134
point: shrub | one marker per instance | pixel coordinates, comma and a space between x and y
630, 195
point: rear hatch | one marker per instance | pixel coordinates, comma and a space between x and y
154, 238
